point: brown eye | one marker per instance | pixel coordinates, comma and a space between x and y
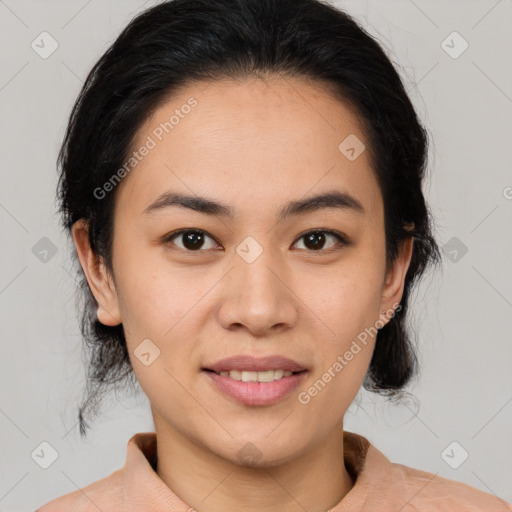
196, 240
316, 240
192, 240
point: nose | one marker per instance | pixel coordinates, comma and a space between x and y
258, 296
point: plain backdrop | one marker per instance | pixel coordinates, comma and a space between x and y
461, 404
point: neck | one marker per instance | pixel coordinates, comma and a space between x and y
315, 481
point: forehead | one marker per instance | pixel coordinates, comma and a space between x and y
250, 141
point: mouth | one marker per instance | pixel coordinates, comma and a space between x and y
255, 381
269, 375
251, 388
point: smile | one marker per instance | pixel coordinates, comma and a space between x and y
253, 388
260, 376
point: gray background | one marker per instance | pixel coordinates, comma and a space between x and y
462, 314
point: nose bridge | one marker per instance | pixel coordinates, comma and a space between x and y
256, 268
258, 296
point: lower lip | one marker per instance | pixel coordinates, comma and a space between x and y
256, 393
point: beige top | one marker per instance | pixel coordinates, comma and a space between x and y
380, 486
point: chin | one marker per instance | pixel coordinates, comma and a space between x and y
262, 453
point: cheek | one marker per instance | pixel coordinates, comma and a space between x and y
347, 300
167, 304
346, 349
158, 305
347, 306
155, 293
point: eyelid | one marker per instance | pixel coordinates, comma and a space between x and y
342, 238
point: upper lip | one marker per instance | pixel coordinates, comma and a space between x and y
255, 364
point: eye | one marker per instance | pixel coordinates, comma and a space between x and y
315, 240
192, 239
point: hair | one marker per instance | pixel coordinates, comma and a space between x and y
178, 42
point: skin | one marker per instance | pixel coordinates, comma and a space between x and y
253, 144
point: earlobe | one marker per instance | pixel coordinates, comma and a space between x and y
100, 282
108, 318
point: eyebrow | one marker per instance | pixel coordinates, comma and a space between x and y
331, 199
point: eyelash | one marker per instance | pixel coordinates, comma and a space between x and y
339, 236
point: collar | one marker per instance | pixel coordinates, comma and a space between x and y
144, 490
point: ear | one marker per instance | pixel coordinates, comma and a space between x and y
394, 281
99, 279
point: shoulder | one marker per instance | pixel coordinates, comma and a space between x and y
430, 492
384, 485
100, 495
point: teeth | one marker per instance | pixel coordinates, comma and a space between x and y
264, 376
249, 376
278, 374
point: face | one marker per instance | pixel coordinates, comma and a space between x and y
250, 278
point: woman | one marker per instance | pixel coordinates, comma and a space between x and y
242, 180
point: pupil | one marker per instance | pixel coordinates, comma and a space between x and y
310, 239
189, 241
